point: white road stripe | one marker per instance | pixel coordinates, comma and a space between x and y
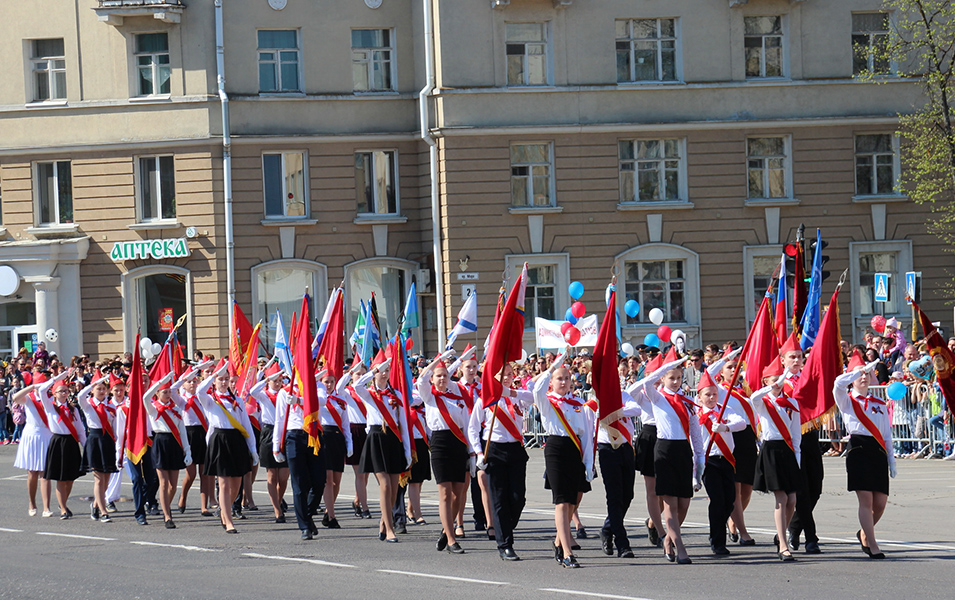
448, 577
591, 594
180, 546
11, 530
304, 560
79, 537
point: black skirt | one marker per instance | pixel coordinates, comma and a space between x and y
421, 470
358, 437
266, 458
673, 464
168, 455
563, 469
867, 465
197, 443
383, 453
63, 459
777, 468
99, 454
227, 454
746, 453
644, 449
335, 448
449, 457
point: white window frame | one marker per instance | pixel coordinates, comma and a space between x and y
410, 269
658, 68
305, 180
560, 261
55, 201
277, 63
395, 177
318, 290
783, 49
370, 59
682, 180
548, 53
529, 183
132, 311
141, 192
155, 66
891, 68
46, 66
903, 264
774, 251
787, 169
896, 165
691, 292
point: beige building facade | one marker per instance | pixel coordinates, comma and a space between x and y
678, 144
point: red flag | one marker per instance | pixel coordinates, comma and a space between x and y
303, 377
137, 438
291, 333
800, 293
239, 339
507, 337
333, 344
943, 360
178, 358
764, 347
606, 380
400, 380
250, 365
163, 363
813, 391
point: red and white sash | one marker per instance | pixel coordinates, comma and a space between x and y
859, 406
169, 415
440, 400
508, 417
707, 418
777, 419
384, 401
193, 405
330, 404
105, 412
555, 402
66, 417
678, 403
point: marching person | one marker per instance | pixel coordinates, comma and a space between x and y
358, 421
117, 399
63, 458
568, 453
477, 483
35, 442
197, 427
266, 392
336, 439
421, 469
643, 459
170, 450
870, 460
142, 474
100, 451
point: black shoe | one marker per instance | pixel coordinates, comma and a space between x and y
306, 534
606, 542
652, 534
399, 528
491, 534
233, 530
575, 546
280, 519
480, 526
734, 537
684, 561
366, 514
749, 542
558, 553
582, 533
207, 513
794, 540
153, 509
237, 514
877, 556
720, 551
670, 556
94, 511
864, 547
442, 542
313, 529
111, 506
355, 506
381, 536
325, 520
333, 524
786, 556
570, 562
455, 548
64, 516
251, 507
170, 524
141, 519
813, 548
283, 505
69, 513
625, 553
508, 554
182, 509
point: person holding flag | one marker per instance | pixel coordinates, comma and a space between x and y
34, 442
171, 452
870, 460
100, 450
643, 456
358, 421
480, 494
183, 392
63, 458
336, 439
266, 392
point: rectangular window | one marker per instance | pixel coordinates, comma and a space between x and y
526, 49
49, 70
539, 298
871, 263
284, 176
876, 165
152, 60
650, 170
279, 61
646, 50
157, 187
767, 166
870, 39
376, 189
371, 60
531, 180
54, 193
763, 42
657, 284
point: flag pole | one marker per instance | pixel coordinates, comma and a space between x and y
499, 376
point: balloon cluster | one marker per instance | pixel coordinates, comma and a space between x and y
574, 313
148, 349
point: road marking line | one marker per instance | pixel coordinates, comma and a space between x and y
595, 595
448, 577
11, 530
180, 546
305, 560
79, 537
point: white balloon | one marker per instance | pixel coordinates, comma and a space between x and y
145, 344
523, 355
51, 336
627, 348
677, 334
147, 354
656, 316
156, 349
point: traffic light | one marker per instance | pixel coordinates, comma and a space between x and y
793, 258
822, 246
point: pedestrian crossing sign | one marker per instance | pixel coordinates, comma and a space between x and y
881, 287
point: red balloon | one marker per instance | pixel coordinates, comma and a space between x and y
878, 323
572, 336
578, 309
565, 326
664, 332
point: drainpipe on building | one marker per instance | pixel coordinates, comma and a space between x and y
433, 150
226, 160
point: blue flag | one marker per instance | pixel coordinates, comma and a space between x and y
411, 311
809, 325
282, 354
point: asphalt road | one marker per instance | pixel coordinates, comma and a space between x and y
80, 558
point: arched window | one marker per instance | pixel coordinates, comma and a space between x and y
152, 296
389, 279
278, 285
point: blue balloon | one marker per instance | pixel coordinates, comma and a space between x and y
632, 308
896, 391
652, 340
576, 290
570, 318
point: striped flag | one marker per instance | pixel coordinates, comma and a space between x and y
467, 320
282, 353
780, 316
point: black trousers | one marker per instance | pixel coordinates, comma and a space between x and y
145, 483
811, 490
477, 502
307, 474
618, 472
719, 479
507, 483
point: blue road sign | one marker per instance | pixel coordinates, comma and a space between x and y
881, 287
910, 285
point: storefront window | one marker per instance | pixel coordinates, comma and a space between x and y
281, 289
162, 300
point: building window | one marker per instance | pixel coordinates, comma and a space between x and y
646, 50
870, 40
279, 287
376, 182
279, 61
893, 257
657, 284
54, 192
388, 280
876, 164
157, 187
284, 178
539, 300
650, 170
49, 70
871, 263
152, 60
526, 48
759, 264
763, 41
767, 167
532, 181
151, 295
371, 60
